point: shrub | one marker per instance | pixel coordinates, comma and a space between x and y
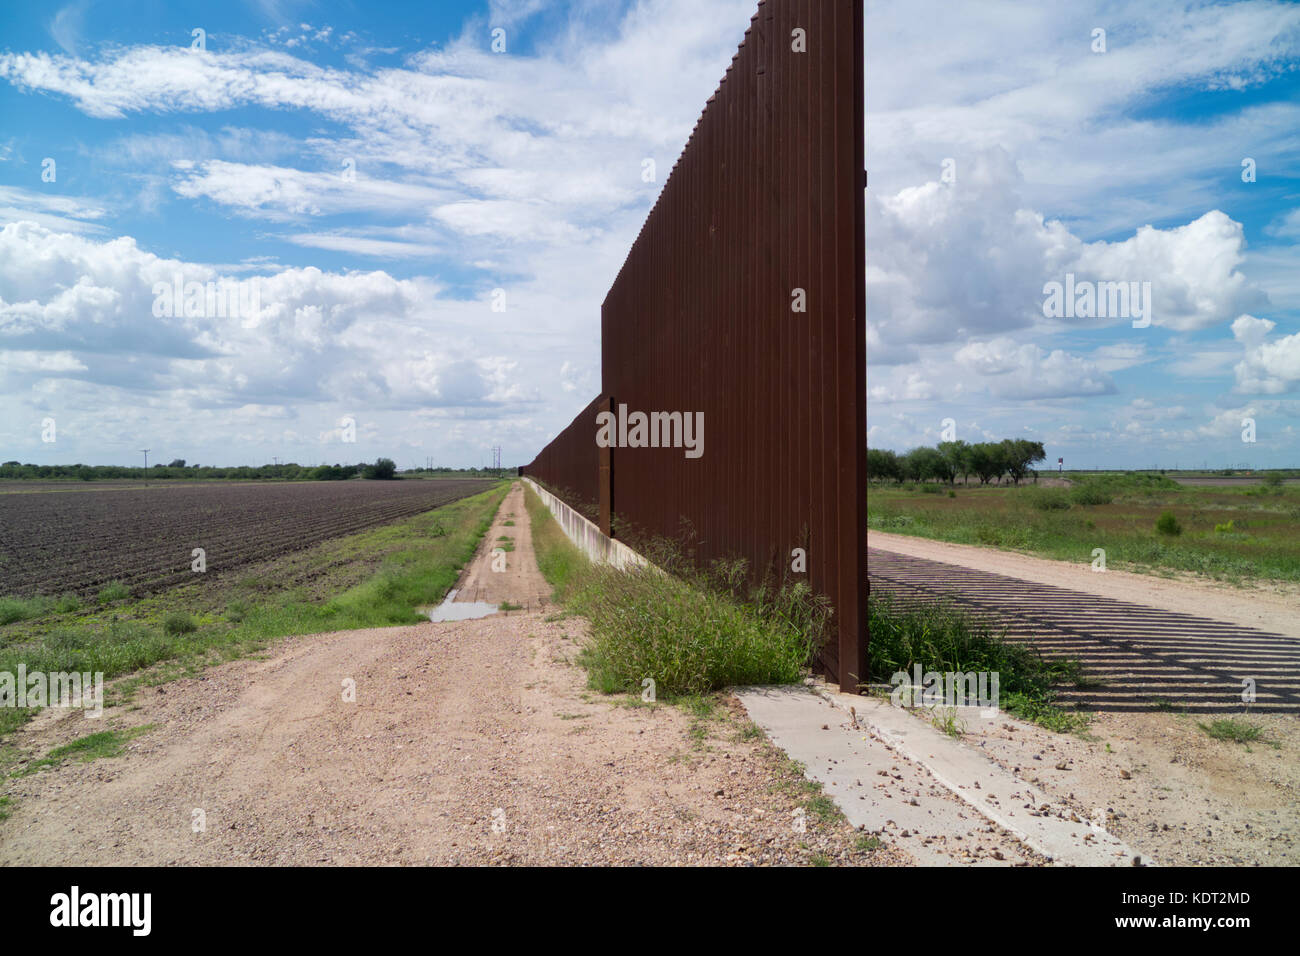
1090, 493
384, 469
1049, 499
178, 623
1168, 524
1224, 528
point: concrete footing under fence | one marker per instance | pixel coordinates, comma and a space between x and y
590, 541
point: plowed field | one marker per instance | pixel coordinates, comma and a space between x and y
144, 537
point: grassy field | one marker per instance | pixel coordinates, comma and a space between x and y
1237, 534
369, 579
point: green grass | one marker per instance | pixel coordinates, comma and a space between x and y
688, 639
946, 721
694, 635
1235, 534
1234, 730
24, 609
1048, 499
691, 637
823, 807
178, 622
944, 638
560, 562
106, 743
398, 567
114, 591
793, 781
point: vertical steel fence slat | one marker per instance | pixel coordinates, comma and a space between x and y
766, 197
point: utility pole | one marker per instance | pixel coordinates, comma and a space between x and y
146, 465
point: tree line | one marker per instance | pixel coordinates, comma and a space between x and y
1012, 458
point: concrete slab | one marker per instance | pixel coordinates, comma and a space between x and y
894, 774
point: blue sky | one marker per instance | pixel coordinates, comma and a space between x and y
1114, 162
432, 224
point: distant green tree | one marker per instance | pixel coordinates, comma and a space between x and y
957, 454
1019, 455
882, 465
384, 469
987, 461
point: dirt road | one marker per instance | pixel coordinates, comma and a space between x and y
464, 742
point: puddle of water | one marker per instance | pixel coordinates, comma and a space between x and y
465, 611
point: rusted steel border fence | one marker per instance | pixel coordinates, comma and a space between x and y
569, 465
743, 298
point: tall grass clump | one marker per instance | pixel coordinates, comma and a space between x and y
687, 637
1091, 492
942, 637
1048, 499
24, 609
113, 591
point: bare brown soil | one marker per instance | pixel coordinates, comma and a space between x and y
52, 543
